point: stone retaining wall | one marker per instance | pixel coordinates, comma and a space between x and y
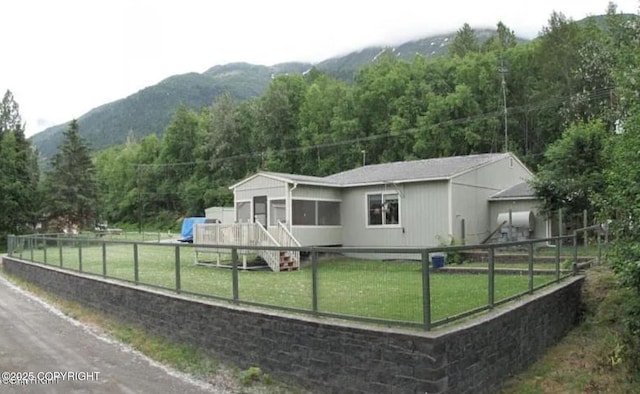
329, 356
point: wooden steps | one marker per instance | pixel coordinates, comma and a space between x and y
286, 262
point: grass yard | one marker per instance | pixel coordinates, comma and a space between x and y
372, 289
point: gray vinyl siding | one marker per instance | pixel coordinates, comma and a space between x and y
426, 212
470, 203
261, 186
423, 216
318, 235
316, 193
497, 175
470, 194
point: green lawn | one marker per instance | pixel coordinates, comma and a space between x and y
372, 289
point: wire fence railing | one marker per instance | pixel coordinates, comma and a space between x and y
417, 287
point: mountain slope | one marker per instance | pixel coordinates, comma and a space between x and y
150, 110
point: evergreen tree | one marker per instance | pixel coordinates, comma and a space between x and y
465, 42
71, 189
18, 172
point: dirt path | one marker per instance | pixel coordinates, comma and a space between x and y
36, 338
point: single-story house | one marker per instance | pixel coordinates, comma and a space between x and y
417, 203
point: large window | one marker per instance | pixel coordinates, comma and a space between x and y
328, 213
383, 209
278, 212
315, 213
304, 212
243, 211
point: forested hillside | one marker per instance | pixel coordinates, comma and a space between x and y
150, 110
395, 109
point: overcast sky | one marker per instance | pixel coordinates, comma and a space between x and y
62, 58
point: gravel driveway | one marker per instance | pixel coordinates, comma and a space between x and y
57, 354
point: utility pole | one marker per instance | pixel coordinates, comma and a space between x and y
139, 184
503, 70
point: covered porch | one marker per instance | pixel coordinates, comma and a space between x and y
214, 240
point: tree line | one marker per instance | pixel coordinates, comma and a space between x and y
487, 96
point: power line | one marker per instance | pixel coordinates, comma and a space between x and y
599, 93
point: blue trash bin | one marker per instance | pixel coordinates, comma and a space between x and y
437, 261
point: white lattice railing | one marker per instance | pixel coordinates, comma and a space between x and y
240, 234
263, 238
285, 238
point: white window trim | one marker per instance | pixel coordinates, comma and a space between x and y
269, 200
235, 207
366, 210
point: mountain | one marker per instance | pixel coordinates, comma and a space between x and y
345, 67
150, 110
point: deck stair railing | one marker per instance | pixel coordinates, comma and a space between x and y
250, 234
290, 259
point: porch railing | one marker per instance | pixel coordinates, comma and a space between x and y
244, 234
285, 238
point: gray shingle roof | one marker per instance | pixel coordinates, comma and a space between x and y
519, 191
396, 172
305, 179
411, 171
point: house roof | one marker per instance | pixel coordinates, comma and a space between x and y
521, 191
414, 171
443, 168
290, 178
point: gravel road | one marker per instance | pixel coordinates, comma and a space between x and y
38, 341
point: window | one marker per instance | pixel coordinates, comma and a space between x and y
304, 212
375, 209
328, 213
315, 213
243, 211
384, 209
278, 212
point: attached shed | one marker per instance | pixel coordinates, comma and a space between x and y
413, 203
519, 200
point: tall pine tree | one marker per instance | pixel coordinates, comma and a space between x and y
70, 188
18, 172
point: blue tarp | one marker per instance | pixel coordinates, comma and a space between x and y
186, 235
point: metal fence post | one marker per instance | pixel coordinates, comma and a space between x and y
492, 261
584, 225
178, 284
314, 281
31, 248
79, 256
575, 252
234, 273
44, 249
557, 269
136, 274
10, 245
60, 251
104, 259
599, 240
531, 268
426, 292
